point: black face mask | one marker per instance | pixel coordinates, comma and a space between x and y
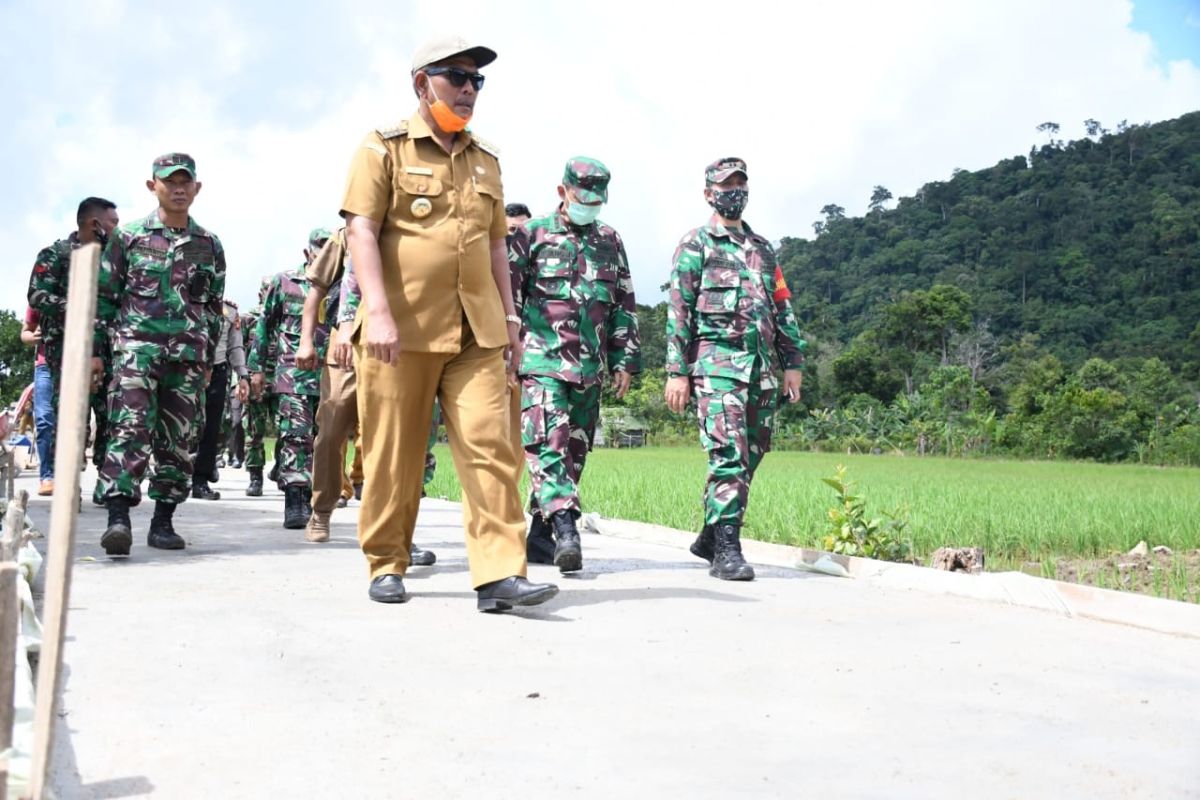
730, 203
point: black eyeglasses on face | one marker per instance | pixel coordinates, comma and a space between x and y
457, 77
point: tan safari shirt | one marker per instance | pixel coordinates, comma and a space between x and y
439, 214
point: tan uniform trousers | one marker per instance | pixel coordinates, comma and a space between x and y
514, 430
337, 419
395, 405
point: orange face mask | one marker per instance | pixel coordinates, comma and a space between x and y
444, 116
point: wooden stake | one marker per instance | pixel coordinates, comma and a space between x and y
69, 447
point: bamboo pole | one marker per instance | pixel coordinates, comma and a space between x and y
69, 446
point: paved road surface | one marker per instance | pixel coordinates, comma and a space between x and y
252, 665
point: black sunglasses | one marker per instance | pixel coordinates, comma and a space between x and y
458, 77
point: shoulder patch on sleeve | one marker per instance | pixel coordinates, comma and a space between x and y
393, 131
486, 146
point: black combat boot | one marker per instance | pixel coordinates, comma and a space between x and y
118, 537
539, 543
568, 550
202, 491
703, 546
421, 558
728, 564
162, 531
255, 487
306, 496
294, 517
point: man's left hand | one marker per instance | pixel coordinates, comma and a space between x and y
621, 380
513, 354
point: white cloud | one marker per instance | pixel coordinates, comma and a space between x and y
823, 100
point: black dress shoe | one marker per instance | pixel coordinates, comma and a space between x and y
515, 591
202, 491
388, 589
421, 558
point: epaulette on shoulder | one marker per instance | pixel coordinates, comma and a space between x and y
231, 304
487, 146
393, 131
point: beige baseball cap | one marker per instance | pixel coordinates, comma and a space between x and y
444, 47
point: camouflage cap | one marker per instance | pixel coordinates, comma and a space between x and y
167, 165
589, 177
317, 237
721, 169
444, 47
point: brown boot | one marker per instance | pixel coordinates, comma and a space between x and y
318, 527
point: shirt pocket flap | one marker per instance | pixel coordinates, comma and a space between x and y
422, 185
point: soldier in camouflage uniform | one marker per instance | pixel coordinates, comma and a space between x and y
578, 317
296, 390
95, 220
161, 284
230, 359
730, 327
260, 407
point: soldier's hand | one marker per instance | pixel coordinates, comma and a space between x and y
242, 392
256, 385
97, 371
621, 380
306, 355
792, 379
207, 376
382, 340
343, 348
679, 389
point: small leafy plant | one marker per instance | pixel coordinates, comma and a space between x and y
851, 533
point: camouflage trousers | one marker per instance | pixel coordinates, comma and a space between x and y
296, 420
153, 405
558, 423
258, 420
97, 402
735, 429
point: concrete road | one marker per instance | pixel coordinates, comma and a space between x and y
252, 665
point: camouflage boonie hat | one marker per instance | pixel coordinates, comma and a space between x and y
721, 169
169, 164
589, 177
317, 238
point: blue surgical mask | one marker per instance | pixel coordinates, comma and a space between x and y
581, 214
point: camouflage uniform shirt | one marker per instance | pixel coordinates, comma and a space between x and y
160, 291
729, 314
48, 291
279, 324
576, 300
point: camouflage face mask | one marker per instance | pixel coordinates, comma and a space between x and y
730, 203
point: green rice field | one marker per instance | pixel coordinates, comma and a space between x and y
1017, 511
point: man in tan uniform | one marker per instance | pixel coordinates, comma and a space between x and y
425, 225
337, 415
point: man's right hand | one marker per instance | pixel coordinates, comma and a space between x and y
257, 381
306, 355
383, 339
343, 348
679, 389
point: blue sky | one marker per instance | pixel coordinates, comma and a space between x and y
1173, 24
823, 100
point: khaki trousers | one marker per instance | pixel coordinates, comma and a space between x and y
395, 405
514, 430
337, 418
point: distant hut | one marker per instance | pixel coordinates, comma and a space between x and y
619, 428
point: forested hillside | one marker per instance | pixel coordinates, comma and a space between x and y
1048, 306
